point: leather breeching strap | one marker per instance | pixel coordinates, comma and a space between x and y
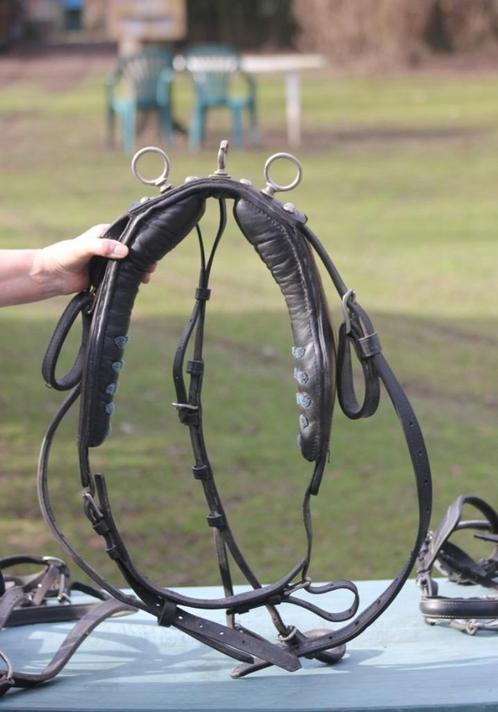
287, 247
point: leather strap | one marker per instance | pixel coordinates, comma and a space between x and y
24, 602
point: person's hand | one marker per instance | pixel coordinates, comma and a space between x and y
65, 263
62, 268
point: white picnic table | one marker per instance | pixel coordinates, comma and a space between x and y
291, 66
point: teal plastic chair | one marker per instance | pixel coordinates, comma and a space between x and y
213, 68
140, 83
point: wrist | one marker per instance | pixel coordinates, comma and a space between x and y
46, 282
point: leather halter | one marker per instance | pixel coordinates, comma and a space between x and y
471, 613
24, 601
279, 234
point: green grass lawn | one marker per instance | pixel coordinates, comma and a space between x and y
401, 185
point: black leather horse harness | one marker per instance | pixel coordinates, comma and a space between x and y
44, 596
468, 614
279, 234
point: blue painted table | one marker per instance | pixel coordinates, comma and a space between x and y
399, 663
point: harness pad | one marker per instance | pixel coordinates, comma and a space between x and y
288, 257
149, 237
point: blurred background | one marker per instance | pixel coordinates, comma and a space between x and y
392, 107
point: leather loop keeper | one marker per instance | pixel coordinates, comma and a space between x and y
201, 472
202, 294
369, 346
195, 367
189, 417
101, 527
113, 552
216, 520
167, 615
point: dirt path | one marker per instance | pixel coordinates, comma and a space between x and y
55, 68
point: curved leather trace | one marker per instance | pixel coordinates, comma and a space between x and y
287, 247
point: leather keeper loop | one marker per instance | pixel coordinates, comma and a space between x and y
113, 552
201, 472
202, 294
216, 520
190, 417
101, 527
369, 346
195, 367
167, 615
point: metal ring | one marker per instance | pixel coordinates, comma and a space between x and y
148, 181
271, 184
285, 638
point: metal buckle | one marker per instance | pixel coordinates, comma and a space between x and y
62, 570
91, 508
293, 587
7, 676
285, 638
185, 405
350, 295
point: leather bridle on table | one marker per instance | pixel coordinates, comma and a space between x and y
279, 234
468, 614
44, 596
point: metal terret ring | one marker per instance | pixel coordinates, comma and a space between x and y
160, 181
274, 187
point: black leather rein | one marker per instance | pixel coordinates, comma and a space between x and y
285, 244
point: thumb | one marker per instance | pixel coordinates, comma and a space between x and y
109, 248
87, 246
92, 243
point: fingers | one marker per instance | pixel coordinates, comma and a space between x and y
109, 248
147, 276
91, 243
95, 231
